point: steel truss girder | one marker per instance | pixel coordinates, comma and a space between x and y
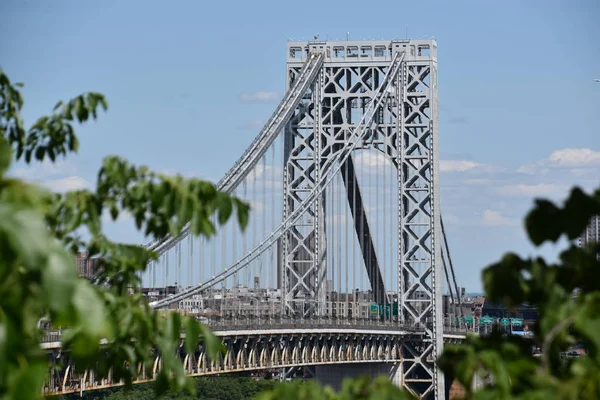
264, 351
306, 151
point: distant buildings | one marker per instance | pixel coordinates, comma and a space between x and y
591, 233
86, 266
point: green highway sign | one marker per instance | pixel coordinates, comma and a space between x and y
389, 308
374, 309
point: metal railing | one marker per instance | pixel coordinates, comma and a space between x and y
297, 324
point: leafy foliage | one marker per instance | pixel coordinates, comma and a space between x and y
361, 388
207, 388
565, 318
41, 231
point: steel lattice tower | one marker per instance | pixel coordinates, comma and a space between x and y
405, 131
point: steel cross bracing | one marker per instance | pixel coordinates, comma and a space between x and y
330, 167
259, 146
405, 131
306, 158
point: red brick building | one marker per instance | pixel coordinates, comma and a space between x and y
86, 266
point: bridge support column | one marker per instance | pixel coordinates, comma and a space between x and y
334, 375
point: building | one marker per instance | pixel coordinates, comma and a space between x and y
86, 266
592, 232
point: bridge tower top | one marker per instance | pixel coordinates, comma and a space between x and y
362, 50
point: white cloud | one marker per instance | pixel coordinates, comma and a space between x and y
370, 159
62, 171
494, 218
43, 170
258, 97
533, 169
260, 170
268, 176
574, 158
578, 161
66, 184
257, 207
463, 166
539, 190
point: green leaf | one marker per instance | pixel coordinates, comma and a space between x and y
51, 154
114, 212
102, 101
60, 103
5, 156
90, 311
225, 209
242, 213
578, 210
58, 284
39, 153
544, 222
214, 345
27, 380
192, 335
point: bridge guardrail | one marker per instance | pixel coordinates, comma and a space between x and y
228, 325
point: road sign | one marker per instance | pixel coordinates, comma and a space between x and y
486, 320
516, 321
389, 308
504, 322
374, 309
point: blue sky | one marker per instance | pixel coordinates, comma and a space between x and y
519, 111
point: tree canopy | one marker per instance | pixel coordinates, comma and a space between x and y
41, 231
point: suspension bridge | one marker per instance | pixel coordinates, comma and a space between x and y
345, 258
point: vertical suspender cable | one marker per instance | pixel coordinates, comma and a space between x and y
190, 260
346, 244
264, 213
337, 189
353, 211
244, 236
451, 266
179, 265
